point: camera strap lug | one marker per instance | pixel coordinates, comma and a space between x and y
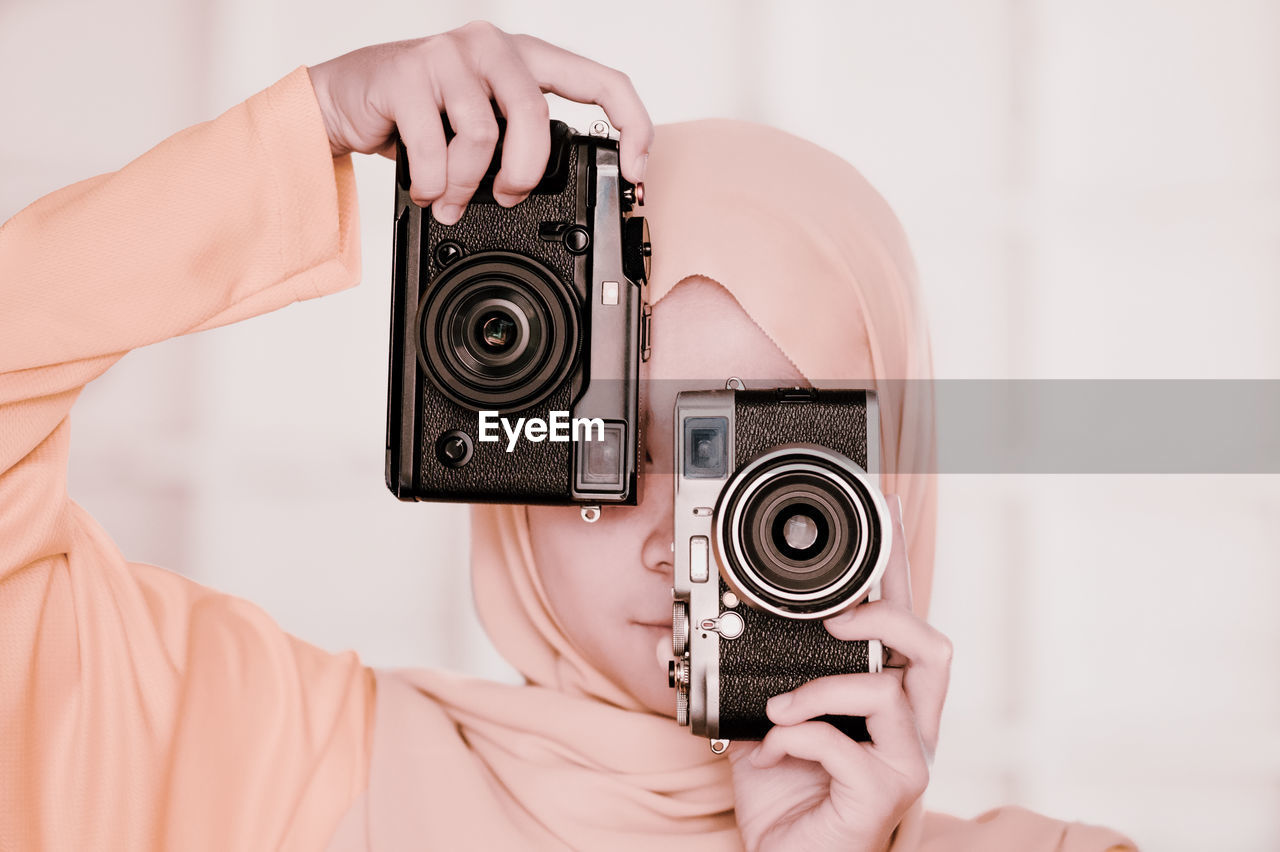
602, 129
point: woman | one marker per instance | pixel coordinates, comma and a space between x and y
141, 710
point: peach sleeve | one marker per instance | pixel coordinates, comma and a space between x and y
138, 709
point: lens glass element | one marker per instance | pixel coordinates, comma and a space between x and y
497, 331
797, 533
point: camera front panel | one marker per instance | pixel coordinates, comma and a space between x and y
526, 313
739, 654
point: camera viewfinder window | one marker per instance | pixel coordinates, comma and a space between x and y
706, 450
600, 458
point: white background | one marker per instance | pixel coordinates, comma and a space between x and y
1092, 190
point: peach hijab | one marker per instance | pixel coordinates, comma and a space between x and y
807, 247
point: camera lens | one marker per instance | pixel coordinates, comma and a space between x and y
498, 330
799, 531
494, 329
794, 501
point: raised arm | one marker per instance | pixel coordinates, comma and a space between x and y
138, 709
224, 220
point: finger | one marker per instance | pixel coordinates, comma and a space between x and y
528, 138
466, 103
815, 741
850, 764
580, 79
843, 759
877, 696
424, 144
900, 629
927, 676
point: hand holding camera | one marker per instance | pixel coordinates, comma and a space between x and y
367, 95
808, 786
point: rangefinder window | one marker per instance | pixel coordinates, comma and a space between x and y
706, 453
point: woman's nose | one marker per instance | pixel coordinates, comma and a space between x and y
656, 502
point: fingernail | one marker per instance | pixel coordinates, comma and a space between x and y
642, 162
447, 214
508, 198
759, 757
777, 704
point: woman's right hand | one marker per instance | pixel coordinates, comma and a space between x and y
807, 786
367, 95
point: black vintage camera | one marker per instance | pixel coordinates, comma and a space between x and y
779, 522
517, 335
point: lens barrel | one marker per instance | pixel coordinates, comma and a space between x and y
498, 330
800, 532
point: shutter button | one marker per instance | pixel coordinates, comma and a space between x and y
576, 239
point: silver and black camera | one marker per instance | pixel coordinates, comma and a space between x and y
517, 335
779, 522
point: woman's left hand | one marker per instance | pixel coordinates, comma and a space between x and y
807, 786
